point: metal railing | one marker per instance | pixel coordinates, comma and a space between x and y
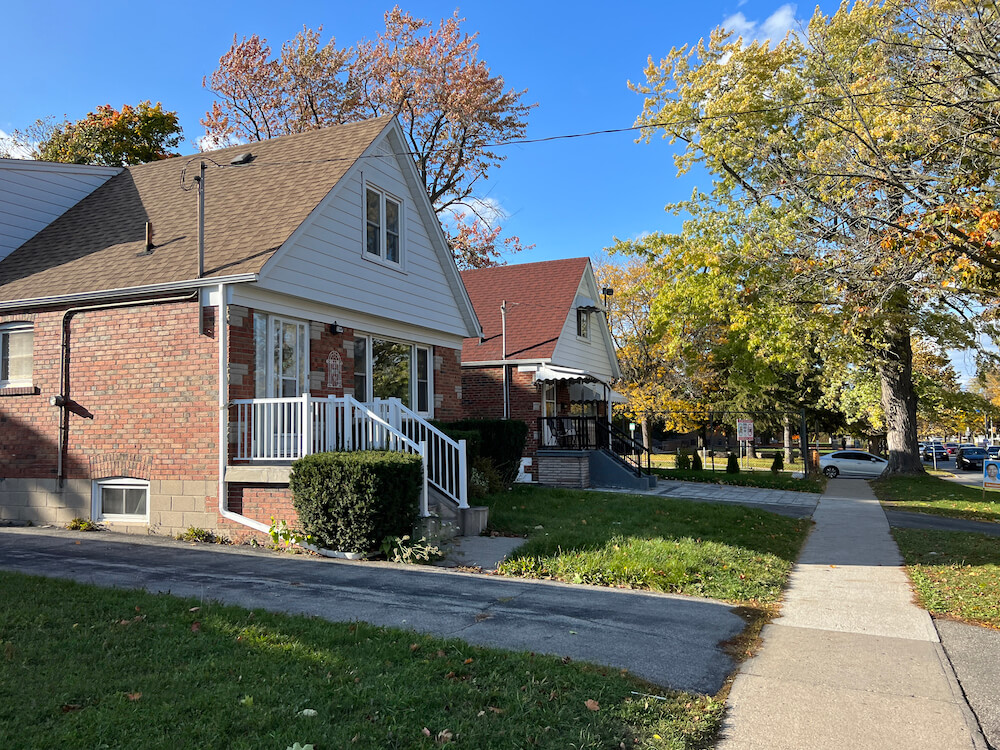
286, 429
593, 433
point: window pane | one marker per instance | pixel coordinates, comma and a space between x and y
391, 231
423, 383
260, 349
135, 501
112, 501
391, 370
373, 220
361, 368
303, 359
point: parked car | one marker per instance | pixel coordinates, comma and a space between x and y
993, 451
852, 464
970, 457
935, 448
952, 448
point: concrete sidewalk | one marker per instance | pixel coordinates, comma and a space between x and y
852, 662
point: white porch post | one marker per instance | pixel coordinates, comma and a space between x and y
424, 509
463, 476
306, 426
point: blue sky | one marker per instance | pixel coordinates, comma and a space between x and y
568, 198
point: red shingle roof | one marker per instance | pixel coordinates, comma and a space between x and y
250, 211
539, 298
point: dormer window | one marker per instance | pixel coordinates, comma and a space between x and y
383, 222
16, 345
583, 323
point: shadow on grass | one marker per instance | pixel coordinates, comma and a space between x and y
89, 667
936, 496
728, 552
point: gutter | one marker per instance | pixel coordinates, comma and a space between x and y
166, 288
63, 400
222, 327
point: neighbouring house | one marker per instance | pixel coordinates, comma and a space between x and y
546, 357
156, 381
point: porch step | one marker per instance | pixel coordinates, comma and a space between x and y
453, 521
607, 470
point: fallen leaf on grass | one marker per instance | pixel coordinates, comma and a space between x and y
426, 732
67, 707
195, 627
309, 712
592, 705
467, 661
133, 696
444, 736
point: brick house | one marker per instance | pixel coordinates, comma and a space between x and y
546, 357
153, 381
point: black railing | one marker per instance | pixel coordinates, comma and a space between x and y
630, 451
591, 433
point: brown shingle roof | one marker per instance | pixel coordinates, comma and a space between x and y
249, 213
539, 297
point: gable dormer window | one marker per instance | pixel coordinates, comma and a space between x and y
383, 223
583, 323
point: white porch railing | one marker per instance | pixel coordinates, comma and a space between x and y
447, 469
285, 429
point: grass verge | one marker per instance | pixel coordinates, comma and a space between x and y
939, 497
726, 552
764, 479
83, 666
956, 574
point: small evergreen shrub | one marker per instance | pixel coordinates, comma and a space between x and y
778, 465
484, 479
733, 464
696, 464
683, 461
352, 501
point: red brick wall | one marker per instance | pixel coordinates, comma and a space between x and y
449, 384
142, 382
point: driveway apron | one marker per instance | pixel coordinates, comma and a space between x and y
671, 641
852, 662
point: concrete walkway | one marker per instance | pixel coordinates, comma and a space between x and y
852, 662
797, 504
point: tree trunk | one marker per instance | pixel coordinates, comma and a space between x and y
899, 402
646, 437
788, 440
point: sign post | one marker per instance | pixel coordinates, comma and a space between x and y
744, 434
991, 476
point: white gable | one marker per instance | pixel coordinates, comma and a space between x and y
324, 260
595, 354
33, 194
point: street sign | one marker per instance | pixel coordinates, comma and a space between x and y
991, 475
744, 430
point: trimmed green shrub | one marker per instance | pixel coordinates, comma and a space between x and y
500, 440
352, 501
696, 461
733, 464
778, 464
683, 461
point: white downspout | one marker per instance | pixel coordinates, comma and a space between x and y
222, 334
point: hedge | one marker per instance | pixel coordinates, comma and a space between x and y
500, 440
352, 501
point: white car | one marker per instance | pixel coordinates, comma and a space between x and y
852, 464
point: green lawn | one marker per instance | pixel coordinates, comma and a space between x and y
84, 667
931, 494
765, 479
727, 552
955, 574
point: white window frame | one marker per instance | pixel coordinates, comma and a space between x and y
98, 487
382, 255
414, 348
6, 331
273, 378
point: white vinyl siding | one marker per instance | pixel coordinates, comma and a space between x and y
328, 262
34, 194
590, 354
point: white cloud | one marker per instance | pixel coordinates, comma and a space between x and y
771, 29
488, 210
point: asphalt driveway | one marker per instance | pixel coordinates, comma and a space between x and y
672, 641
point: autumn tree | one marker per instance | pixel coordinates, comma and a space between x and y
453, 110
116, 138
837, 188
